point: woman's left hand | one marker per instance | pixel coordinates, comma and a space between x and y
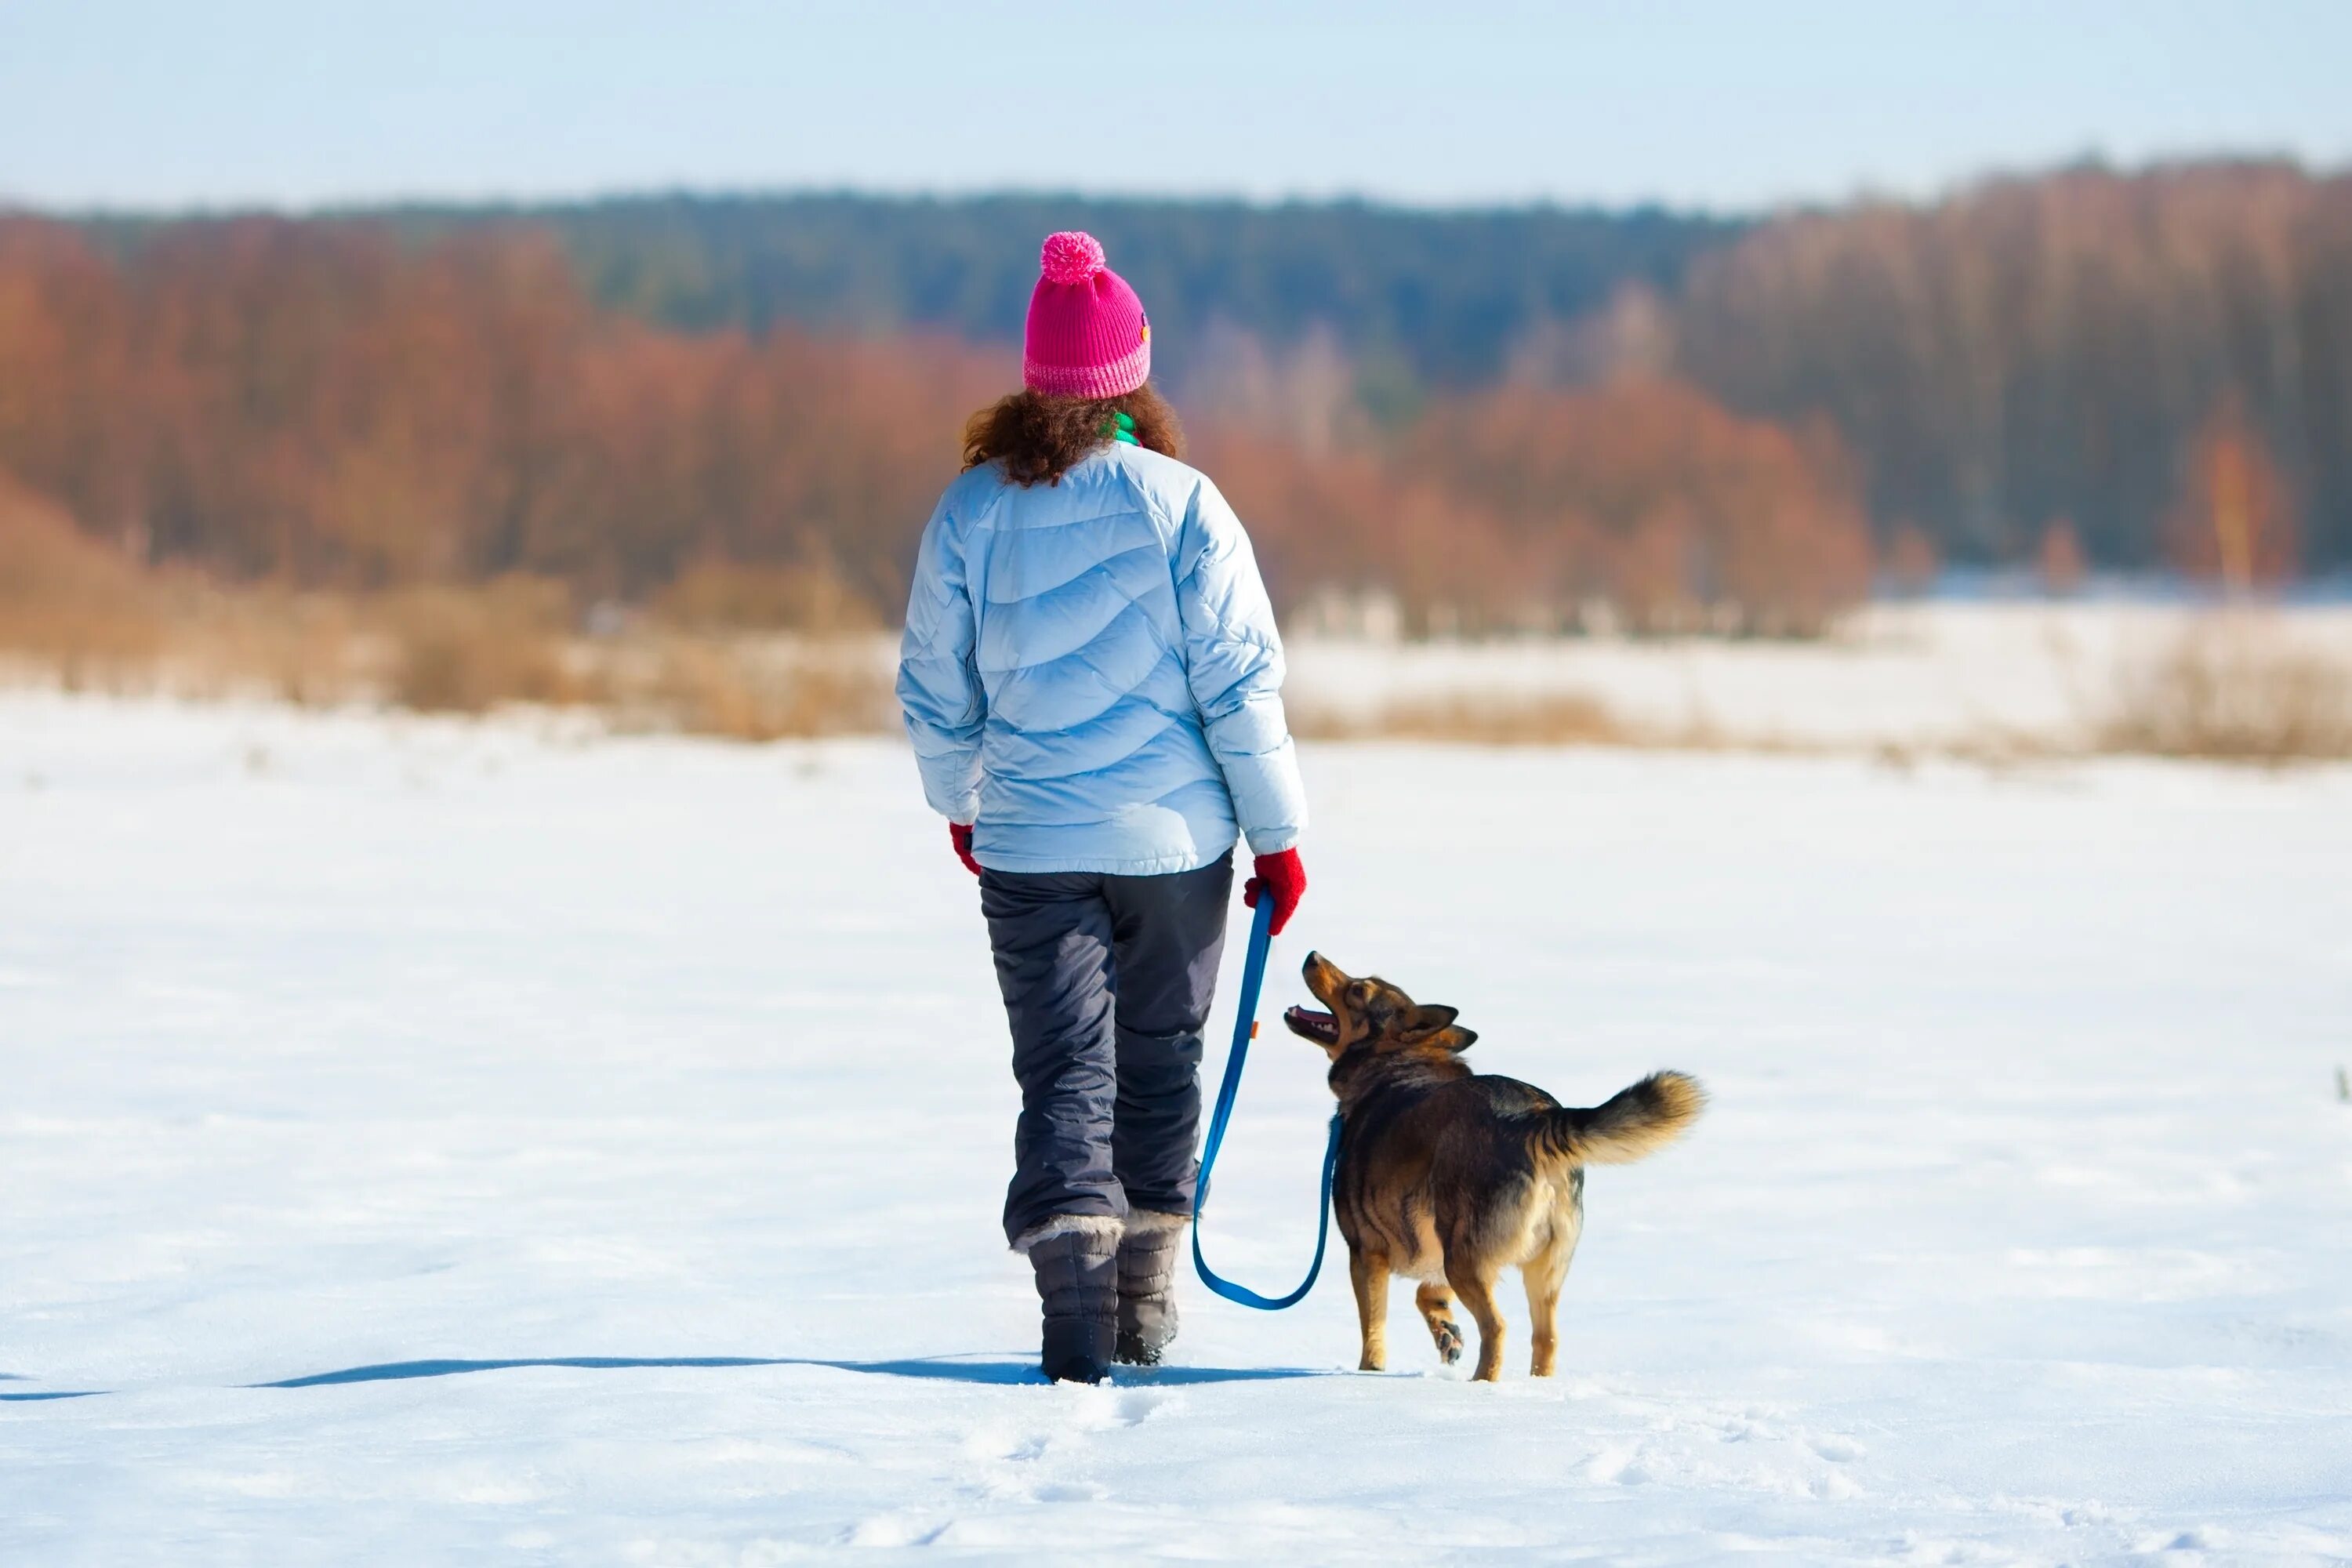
1281, 875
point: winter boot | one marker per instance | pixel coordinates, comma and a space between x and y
1077, 1260
1148, 1256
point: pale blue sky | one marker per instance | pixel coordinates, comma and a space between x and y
1728, 106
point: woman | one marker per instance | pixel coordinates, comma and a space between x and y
1093, 682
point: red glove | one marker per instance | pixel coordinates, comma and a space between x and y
960, 835
1285, 879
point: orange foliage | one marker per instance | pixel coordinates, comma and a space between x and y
321, 404
1510, 510
317, 402
2234, 519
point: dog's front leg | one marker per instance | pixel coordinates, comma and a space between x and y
1436, 1304
1369, 1270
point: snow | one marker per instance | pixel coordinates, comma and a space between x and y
1928, 674
2019, 1229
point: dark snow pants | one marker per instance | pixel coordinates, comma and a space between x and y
1106, 982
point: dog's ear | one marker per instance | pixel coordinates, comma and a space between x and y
1434, 1026
1423, 1023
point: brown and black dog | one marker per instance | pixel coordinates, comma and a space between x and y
1449, 1177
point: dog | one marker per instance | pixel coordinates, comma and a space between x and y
1449, 1177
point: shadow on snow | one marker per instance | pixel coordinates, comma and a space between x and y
942, 1369
950, 1368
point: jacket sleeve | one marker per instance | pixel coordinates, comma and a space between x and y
939, 687
1233, 658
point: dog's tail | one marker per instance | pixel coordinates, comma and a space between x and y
1632, 1124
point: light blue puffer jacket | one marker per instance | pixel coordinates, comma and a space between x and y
1091, 674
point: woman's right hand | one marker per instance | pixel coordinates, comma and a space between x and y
960, 835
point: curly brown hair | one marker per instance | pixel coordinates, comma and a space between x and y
1038, 438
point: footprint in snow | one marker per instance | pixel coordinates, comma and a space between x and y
1099, 1409
892, 1529
1617, 1467
1835, 1487
1138, 1405
1006, 1445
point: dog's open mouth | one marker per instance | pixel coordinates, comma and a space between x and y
1320, 1027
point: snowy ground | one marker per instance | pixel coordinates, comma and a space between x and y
1931, 673
2021, 1229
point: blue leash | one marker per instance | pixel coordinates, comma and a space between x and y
1244, 1027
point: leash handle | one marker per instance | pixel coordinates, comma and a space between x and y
1261, 940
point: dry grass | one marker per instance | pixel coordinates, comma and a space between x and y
79, 614
2235, 689
467, 650
747, 688
78, 611
83, 610
1559, 718
1535, 718
723, 597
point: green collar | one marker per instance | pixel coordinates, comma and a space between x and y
1121, 428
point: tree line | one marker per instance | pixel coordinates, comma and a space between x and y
2064, 352
2027, 359
319, 404
1488, 420
337, 403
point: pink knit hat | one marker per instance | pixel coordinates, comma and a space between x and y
1088, 334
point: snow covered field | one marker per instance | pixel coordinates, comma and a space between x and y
1928, 674
346, 1052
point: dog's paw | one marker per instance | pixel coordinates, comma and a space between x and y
1448, 1336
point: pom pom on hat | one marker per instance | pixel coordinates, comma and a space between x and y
1071, 257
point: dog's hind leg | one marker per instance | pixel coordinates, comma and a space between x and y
1542, 1275
1436, 1304
1370, 1272
1478, 1293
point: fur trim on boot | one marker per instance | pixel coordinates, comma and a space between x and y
1078, 1288
1109, 1225
1147, 1257
1150, 1222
